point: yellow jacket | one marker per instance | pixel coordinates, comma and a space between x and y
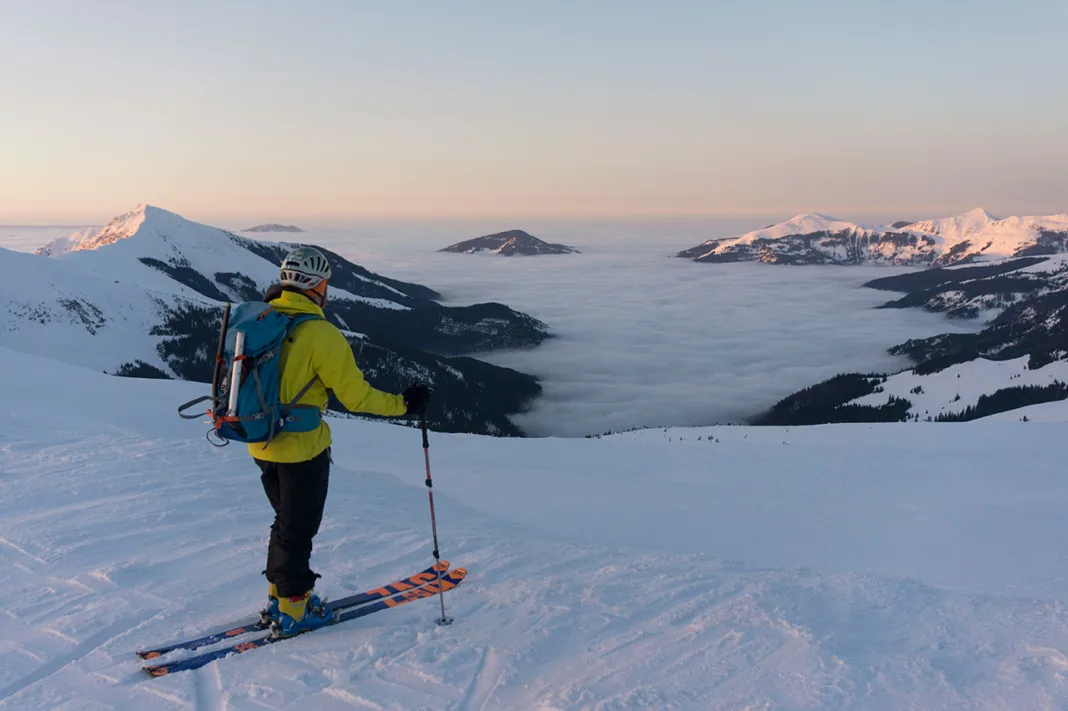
317, 348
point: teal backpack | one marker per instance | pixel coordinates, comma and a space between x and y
251, 410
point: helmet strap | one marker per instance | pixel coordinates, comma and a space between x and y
317, 294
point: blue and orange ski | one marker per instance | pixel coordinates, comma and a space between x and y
448, 582
253, 624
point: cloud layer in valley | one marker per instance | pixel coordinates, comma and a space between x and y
647, 340
643, 339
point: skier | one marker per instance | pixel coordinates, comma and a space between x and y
295, 466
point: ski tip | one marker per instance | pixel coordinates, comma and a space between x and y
441, 566
148, 655
157, 671
448, 582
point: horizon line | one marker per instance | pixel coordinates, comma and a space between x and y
310, 219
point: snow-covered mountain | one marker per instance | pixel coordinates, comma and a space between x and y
973, 236
143, 296
510, 243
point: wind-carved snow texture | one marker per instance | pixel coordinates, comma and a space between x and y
142, 296
844, 567
818, 239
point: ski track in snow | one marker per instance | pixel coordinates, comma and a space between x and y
121, 530
209, 694
485, 682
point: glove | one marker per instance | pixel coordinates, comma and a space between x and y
416, 398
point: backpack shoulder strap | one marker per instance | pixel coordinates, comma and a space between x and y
298, 319
295, 321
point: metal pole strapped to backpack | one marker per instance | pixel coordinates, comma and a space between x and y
246, 402
217, 376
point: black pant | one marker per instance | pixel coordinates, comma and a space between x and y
297, 493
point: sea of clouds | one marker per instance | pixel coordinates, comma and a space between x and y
644, 339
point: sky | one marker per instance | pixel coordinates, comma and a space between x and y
329, 110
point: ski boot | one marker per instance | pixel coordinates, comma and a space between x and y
271, 613
301, 613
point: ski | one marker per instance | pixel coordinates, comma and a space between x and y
253, 624
448, 582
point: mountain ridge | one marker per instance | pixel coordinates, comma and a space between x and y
812, 238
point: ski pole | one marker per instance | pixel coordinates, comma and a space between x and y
433, 519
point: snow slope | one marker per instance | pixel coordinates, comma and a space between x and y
841, 567
960, 386
55, 308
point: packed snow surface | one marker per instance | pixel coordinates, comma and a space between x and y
838, 567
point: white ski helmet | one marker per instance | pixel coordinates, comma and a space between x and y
304, 268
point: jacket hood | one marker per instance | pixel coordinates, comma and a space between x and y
291, 301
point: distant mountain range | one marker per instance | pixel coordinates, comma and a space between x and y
272, 227
973, 236
510, 243
142, 296
1012, 273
